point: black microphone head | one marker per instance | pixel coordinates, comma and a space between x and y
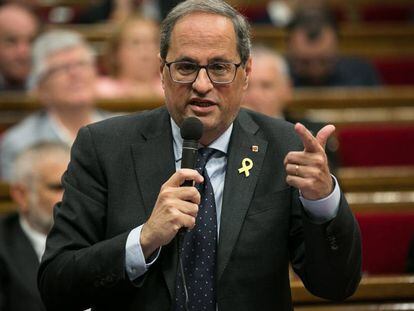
191, 129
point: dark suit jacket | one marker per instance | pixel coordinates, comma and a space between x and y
18, 269
347, 72
112, 183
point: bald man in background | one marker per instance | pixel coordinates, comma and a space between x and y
18, 28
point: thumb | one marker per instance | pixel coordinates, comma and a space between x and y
324, 134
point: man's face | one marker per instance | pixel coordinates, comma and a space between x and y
17, 31
269, 88
45, 192
69, 79
313, 60
204, 39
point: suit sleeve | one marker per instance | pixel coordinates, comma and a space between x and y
81, 265
327, 256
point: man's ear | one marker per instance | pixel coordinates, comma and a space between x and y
162, 65
20, 194
247, 70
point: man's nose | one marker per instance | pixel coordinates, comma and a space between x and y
202, 83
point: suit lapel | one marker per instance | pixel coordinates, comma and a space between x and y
238, 189
154, 164
153, 159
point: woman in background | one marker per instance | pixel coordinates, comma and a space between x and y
133, 61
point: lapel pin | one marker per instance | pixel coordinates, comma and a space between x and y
255, 148
247, 165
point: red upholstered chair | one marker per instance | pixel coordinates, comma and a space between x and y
395, 70
385, 241
387, 12
376, 145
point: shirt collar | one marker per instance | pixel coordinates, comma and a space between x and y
37, 239
221, 143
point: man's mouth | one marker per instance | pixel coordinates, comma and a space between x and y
202, 103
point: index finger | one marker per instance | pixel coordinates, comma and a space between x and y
180, 176
310, 143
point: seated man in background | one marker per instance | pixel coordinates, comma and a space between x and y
35, 187
63, 79
314, 60
270, 91
18, 28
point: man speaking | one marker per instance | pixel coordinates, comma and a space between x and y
129, 236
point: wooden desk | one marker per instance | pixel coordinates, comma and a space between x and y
366, 40
361, 39
371, 289
338, 106
343, 106
364, 179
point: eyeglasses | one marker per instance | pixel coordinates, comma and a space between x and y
187, 72
61, 68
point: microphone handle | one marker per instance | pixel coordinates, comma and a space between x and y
188, 160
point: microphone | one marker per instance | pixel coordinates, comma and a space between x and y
191, 132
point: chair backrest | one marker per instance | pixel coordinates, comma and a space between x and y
385, 241
395, 70
376, 145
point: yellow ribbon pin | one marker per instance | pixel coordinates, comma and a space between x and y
247, 165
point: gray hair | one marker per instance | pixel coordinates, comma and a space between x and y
219, 7
279, 60
51, 42
25, 165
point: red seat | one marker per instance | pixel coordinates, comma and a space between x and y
395, 71
387, 12
385, 241
376, 145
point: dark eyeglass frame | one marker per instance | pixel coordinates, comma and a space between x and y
199, 67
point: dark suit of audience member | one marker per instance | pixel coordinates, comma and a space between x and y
35, 188
18, 269
314, 58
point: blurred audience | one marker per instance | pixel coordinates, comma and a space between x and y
63, 79
270, 91
35, 187
314, 60
133, 61
119, 10
18, 28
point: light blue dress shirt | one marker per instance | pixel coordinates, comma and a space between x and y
319, 211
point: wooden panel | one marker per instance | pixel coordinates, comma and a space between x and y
376, 179
372, 288
366, 40
407, 306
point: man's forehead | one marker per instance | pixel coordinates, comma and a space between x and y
209, 35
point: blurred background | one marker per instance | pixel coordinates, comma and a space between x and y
66, 63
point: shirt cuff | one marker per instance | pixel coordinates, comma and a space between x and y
325, 209
135, 263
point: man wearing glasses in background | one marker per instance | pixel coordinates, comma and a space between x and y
115, 245
63, 80
35, 188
